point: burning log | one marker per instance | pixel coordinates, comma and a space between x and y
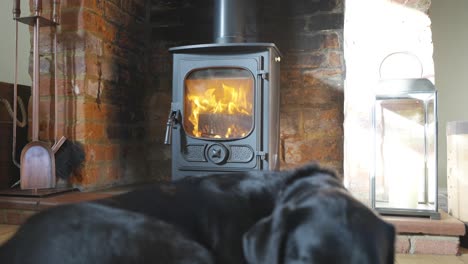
215, 125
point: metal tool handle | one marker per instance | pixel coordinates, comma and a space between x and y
37, 7
16, 8
171, 120
56, 11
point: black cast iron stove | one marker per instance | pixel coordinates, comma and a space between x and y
225, 111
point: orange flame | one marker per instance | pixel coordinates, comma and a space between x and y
219, 108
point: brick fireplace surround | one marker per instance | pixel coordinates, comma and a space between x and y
115, 80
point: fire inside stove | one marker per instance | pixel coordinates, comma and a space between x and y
219, 103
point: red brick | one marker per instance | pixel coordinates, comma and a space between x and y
290, 122
92, 111
69, 4
87, 176
109, 70
435, 245
96, 24
157, 108
321, 76
112, 174
73, 42
69, 20
446, 226
94, 152
113, 13
129, 40
134, 7
298, 151
331, 41
101, 152
13, 217
402, 244
335, 59
290, 74
88, 131
312, 96
110, 49
71, 67
84, 19
64, 86
328, 121
304, 60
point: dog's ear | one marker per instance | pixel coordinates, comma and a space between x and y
374, 239
263, 243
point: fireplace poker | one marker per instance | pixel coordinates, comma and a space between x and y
16, 15
55, 18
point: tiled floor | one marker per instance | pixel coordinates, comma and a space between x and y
6, 231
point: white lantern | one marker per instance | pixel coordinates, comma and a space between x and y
404, 178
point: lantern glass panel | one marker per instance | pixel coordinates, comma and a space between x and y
405, 129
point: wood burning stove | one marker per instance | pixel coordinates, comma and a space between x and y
225, 110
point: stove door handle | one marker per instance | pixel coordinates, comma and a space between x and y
172, 119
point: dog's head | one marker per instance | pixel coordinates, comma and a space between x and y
315, 220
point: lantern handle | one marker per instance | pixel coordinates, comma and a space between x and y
421, 67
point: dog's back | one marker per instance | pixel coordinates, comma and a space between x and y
90, 233
215, 210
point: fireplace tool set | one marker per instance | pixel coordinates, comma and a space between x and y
37, 166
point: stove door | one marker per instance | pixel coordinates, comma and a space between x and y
220, 103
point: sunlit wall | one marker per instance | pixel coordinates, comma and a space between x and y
450, 37
7, 45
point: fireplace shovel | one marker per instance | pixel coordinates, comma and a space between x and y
37, 169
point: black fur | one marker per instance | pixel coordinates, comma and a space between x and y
317, 221
90, 233
314, 220
215, 210
69, 157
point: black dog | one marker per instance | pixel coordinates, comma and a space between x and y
214, 210
90, 233
317, 221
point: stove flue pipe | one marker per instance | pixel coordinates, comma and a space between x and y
230, 21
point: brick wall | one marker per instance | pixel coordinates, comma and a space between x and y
310, 36
118, 113
101, 82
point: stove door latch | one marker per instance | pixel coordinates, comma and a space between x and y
264, 74
263, 155
171, 120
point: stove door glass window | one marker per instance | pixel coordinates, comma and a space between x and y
218, 103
